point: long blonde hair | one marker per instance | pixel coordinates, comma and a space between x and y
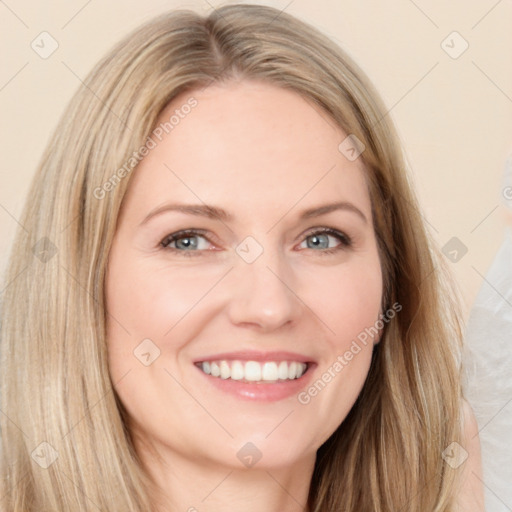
65, 445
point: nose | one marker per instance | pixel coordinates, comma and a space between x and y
263, 293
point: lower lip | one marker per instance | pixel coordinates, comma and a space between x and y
262, 391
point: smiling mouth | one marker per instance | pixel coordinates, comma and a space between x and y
254, 371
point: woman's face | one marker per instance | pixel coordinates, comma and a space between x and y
271, 280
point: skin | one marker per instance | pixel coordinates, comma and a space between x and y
264, 154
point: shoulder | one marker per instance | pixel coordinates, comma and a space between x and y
470, 494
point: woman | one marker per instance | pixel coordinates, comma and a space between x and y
227, 296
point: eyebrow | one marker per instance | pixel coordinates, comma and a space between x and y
217, 213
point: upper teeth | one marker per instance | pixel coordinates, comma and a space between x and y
253, 370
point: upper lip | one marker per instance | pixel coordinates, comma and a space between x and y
253, 355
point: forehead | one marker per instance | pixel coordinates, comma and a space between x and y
249, 144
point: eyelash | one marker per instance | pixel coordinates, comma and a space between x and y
345, 240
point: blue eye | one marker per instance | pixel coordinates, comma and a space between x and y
193, 242
187, 241
321, 238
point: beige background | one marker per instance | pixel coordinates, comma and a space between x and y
453, 115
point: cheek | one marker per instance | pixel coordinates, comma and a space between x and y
348, 305
149, 300
348, 299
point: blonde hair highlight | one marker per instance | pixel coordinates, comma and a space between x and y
55, 384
